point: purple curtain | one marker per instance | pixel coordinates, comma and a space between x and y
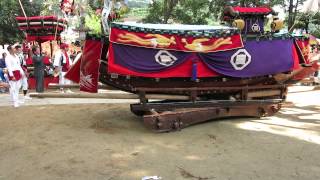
144, 60
267, 57
258, 58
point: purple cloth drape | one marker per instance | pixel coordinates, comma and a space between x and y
260, 58
267, 57
144, 59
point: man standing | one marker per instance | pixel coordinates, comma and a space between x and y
37, 60
23, 65
62, 64
15, 73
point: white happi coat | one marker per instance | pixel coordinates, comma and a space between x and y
58, 63
13, 64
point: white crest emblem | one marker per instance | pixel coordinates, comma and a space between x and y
255, 27
240, 59
165, 58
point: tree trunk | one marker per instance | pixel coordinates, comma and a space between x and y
295, 11
168, 6
290, 17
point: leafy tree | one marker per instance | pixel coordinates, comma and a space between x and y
292, 11
9, 32
315, 20
155, 12
309, 22
182, 11
195, 11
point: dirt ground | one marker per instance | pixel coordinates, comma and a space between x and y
107, 142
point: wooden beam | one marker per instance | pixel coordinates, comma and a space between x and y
222, 88
107, 96
58, 86
265, 93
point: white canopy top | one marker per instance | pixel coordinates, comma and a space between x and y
175, 26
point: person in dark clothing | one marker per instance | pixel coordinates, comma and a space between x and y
2, 66
2, 61
39, 67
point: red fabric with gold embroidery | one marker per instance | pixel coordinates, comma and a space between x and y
175, 42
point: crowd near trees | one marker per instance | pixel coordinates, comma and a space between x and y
153, 11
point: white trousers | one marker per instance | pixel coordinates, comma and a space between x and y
24, 82
63, 80
14, 90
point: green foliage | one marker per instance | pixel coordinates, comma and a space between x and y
308, 21
137, 12
193, 12
93, 22
316, 32
155, 12
183, 11
196, 11
95, 4
315, 25
9, 32
50, 7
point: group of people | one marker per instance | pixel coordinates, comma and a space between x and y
14, 73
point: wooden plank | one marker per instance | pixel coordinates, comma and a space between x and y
107, 96
77, 86
221, 88
264, 93
57, 86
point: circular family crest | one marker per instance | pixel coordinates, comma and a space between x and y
240, 59
165, 58
255, 27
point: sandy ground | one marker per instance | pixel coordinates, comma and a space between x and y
102, 140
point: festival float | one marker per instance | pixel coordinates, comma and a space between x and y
39, 30
197, 72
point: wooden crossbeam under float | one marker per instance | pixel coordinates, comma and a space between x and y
57, 86
107, 96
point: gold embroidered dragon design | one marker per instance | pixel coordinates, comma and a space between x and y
154, 40
197, 44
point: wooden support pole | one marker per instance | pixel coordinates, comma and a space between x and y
51, 50
58, 86
107, 96
24, 13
